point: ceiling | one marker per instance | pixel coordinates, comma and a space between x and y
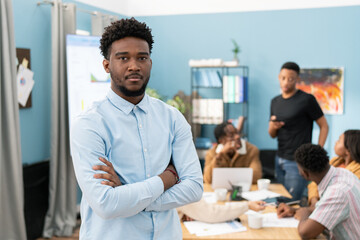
173, 7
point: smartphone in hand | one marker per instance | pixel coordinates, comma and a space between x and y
288, 201
277, 200
277, 120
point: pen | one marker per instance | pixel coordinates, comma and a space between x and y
269, 204
293, 202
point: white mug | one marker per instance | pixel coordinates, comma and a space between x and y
221, 194
263, 184
255, 221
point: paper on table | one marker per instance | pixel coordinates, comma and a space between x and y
259, 195
25, 84
209, 197
250, 212
271, 220
207, 229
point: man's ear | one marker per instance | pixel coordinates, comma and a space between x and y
306, 174
106, 64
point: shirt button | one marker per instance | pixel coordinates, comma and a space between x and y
145, 150
148, 175
140, 126
134, 107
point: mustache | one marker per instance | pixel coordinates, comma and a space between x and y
134, 75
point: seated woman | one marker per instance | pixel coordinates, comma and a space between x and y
347, 148
231, 151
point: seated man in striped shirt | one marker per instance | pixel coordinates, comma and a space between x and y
339, 205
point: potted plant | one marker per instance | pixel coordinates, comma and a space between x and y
176, 102
236, 50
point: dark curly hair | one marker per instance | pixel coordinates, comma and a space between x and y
219, 130
312, 157
291, 66
352, 143
129, 27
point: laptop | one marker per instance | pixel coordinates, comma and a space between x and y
222, 177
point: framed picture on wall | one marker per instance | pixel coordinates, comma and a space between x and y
327, 85
23, 54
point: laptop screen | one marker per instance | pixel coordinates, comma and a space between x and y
224, 177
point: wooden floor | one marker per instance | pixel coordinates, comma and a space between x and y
75, 236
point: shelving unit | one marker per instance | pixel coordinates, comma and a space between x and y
230, 110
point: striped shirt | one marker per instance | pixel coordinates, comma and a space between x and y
339, 206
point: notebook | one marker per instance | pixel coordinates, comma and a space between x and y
222, 177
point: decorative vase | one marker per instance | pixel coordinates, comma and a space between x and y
236, 59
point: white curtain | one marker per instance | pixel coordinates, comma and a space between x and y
12, 221
60, 219
99, 21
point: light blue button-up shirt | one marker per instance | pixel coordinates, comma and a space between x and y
139, 141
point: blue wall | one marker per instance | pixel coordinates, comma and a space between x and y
313, 38
33, 30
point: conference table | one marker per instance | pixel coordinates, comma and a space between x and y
263, 233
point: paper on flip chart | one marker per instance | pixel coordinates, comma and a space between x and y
272, 220
259, 195
25, 84
207, 229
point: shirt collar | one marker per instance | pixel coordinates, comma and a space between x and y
242, 149
326, 180
126, 106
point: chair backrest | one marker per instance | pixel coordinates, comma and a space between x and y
267, 158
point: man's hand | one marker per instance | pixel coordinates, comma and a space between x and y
256, 205
112, 178
285, 211
274, 125
186, 218
302, 213
168, 178
229, 148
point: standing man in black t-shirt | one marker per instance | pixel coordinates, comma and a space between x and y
291, 121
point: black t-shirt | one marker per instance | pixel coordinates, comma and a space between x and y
298, 112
